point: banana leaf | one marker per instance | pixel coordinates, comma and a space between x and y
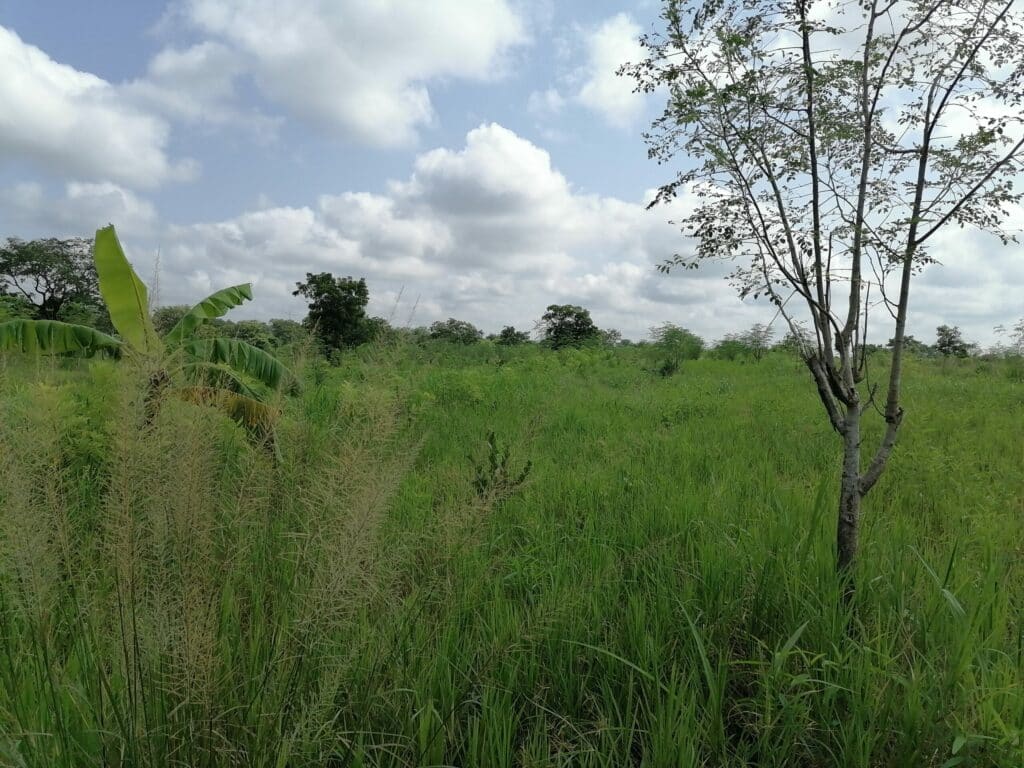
242, 357
124, 293
213, 306
51, 337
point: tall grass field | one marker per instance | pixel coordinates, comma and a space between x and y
507, 557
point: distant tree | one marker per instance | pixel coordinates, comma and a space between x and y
165, 318
677, 342
379, 330
949, 342
254, 332
49, 273
913, 346
510, 337
611, 337
567, 325
287, 331
758, 339
455, 331
796, 340
732, 346
337, 309
1014, 339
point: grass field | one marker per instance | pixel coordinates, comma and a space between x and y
656, 588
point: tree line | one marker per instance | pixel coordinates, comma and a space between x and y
55, 279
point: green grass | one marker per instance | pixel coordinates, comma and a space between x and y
659, 591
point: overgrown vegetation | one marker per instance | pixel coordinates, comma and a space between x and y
625, 569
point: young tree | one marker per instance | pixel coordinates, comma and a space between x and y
828, 144
567, 325
677, 342
455, 331
758, 339
337, 308
950, 342
1014, 345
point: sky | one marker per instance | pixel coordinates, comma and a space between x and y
476, 159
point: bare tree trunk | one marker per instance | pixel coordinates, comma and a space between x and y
849, 494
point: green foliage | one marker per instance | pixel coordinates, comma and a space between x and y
165, 318
224, 372
241, 357
455, 331
126, 296
15, 308
950, 342
567, 325
49, 273
53, 338
494, 479
677, 340
337, 309
213, 306
510, 337
914, 347
172, 596
753, 343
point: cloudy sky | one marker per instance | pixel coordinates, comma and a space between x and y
471, 158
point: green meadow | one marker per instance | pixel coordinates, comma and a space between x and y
487, 556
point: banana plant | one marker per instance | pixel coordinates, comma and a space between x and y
227, 373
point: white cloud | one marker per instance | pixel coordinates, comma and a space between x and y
197, 86
79, 211
491, 233
547, 103
76, 124
361, 68
609, 46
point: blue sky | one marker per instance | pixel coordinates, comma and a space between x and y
477, 158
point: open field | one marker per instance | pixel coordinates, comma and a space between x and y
657, 589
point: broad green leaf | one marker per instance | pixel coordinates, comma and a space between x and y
50, 337
213, 306
243, 358
125, 294
247, 411
220, 376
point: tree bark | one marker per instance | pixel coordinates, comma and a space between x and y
849, 494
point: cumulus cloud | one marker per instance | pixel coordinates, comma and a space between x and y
349, 66
76, 124
609, 46
79, 211
490, 232
197, 85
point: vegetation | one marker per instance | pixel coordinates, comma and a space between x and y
510, 337
949, 342
824, 152
337, 309
567, 325
455, 331
51, 279
558, 560
229, 373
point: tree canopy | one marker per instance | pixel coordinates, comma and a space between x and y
55, 277
337, 309
567, 325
